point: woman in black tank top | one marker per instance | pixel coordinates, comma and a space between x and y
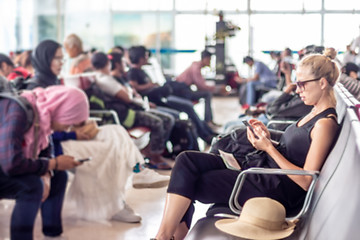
304, 146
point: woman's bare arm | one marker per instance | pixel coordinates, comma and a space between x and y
322, 137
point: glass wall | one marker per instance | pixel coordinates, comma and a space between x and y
178, 30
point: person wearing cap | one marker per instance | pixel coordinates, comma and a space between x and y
349, 78
304, 145
263, 77
192, 76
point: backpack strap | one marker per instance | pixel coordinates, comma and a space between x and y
24, 104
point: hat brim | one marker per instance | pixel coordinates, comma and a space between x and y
246, 230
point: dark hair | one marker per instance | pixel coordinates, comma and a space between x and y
248, 59
121, 48
115, 58
24, 59
99, 60
136, 53
351, 67
5, 59
288, 51
205, 54
93, 49
276, 53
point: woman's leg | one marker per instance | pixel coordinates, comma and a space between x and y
175, 208
52, 207
190, 167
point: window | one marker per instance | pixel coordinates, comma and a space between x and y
285, 5
141, 5
342, 5
296, 32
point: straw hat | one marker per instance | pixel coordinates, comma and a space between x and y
261, 218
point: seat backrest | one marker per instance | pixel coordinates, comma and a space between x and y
82, 81
336, 211
342, 101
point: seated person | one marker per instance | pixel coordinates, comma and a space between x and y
192, 75
47, 60
349, 78
160, 95
288, 106
26, 160
113, 158
204, 177
10, 71
119, 74
119, 98
263, 77
80, 60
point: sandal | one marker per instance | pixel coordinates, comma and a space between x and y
158, 166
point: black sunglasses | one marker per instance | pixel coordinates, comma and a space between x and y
301, 84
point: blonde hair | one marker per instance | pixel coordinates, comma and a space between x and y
322, 66
330, 53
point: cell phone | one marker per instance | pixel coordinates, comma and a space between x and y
84, 159
246, 123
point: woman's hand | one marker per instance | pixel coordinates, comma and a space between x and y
63, 162
259, 125
46, 181
80, 135
262, 139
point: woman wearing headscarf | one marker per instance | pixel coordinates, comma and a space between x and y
26, 163
47, 61
112, 143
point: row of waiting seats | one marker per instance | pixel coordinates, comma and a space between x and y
140, 135
334, 204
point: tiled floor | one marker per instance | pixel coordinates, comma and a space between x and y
148, 203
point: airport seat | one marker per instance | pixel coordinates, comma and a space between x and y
334, 208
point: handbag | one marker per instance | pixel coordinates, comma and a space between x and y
256, 158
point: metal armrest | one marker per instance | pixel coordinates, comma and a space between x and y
109, 112
279, 121
234, 204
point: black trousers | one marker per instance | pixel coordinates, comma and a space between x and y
205, 178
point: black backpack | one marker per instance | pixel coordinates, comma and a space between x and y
183, 137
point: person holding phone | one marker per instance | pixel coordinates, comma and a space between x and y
303, 146
28, 171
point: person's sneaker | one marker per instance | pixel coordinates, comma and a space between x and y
148, 178
127, 215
